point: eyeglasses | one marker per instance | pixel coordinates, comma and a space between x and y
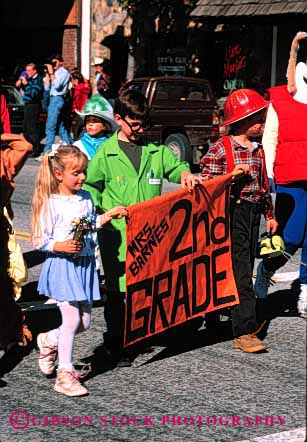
137, 125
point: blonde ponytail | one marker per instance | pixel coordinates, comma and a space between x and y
46, 182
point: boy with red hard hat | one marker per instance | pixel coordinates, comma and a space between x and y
244, 112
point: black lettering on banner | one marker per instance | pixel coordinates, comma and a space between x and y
141, 239
143, 245
216, 277
159, 233
147, 230
215, 223
145, 252
134, 268
181, 286
152, 243
173, 252
133, 249
196, 222
140, 262
204, 261
157, 300
164, 225
135, 289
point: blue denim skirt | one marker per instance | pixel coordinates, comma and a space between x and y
66, 278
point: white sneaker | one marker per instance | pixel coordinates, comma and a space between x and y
67, 382
302, 302
263, 281
48, 354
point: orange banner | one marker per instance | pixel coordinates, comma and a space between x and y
178, 263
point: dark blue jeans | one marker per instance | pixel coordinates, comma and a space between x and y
55, 119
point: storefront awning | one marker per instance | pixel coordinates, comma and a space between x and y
237, 8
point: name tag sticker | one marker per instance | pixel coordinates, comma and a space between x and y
154, 180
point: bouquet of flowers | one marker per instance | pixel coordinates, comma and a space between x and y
81, 227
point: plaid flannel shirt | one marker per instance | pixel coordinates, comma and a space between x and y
250, 188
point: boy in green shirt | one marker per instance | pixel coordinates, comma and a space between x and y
125, 170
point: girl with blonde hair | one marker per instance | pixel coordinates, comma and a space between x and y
63, 225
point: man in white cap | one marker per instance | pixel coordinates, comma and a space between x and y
98, 69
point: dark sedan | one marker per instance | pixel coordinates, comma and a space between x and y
16, 109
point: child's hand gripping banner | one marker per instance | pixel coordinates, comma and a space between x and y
178, 263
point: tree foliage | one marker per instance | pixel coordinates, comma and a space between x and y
169, 13
158, 27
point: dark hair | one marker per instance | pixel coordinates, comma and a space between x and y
239, 127
57, 57
131, 103
77, 76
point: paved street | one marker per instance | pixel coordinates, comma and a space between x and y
195, 388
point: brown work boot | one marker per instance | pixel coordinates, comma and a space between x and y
67, 382
249, 343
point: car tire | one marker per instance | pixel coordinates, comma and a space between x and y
179, 145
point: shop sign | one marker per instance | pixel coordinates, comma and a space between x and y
172, 64
234, 67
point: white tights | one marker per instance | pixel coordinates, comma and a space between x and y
76, 318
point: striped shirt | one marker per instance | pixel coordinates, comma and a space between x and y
33, 90
250, 187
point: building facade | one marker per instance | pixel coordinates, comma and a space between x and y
35, 30
246, 43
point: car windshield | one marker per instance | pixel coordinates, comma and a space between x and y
182, 91
12, 95
138, 85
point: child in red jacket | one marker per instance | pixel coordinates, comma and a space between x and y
81, 91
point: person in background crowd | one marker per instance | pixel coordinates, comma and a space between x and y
81, 91
285, 144
59, 78
99, 125
5, 125
33, 89
14, 152
46, 94
24, 74
104, 82
98, 69
116, 175
244, 113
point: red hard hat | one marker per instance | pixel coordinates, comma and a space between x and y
241, 104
